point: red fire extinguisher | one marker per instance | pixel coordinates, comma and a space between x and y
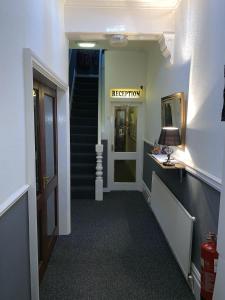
209, 258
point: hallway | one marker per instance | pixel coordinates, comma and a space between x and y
116, 251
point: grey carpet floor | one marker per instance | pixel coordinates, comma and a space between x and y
116, 251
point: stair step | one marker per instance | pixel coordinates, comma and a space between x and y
86, 98
83, 180
82, 148
83, 192
83, 121
83, 129
86, 92
83, 138
83, 105
84, 112
81, 79
83, 168
85, 81
83, 157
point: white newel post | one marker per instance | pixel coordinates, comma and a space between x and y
99, 173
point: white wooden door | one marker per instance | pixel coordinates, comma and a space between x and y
125, 146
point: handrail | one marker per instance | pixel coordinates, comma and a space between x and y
100, 97
72, 78
72, 88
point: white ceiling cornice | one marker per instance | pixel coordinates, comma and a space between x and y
138, 4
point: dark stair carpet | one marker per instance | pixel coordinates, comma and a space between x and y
116, 252
83, 137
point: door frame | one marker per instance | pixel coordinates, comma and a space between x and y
31, 63
121, 186
47, 243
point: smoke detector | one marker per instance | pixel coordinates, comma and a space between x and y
118, 40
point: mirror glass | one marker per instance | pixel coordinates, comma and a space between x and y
173, 113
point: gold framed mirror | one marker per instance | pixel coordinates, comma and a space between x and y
173, 114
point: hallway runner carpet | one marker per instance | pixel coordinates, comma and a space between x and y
116, 251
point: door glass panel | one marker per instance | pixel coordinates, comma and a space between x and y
49, 138
125, 129
125, 171
51, 213
37, 144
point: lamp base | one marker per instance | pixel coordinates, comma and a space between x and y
169, 164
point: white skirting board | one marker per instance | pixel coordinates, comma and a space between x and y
146, 193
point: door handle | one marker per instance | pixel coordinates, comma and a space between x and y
112, 147
45, 180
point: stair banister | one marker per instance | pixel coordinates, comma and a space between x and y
99, 146
73, 71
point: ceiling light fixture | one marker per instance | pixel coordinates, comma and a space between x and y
86, 44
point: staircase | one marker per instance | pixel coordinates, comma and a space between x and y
83, 136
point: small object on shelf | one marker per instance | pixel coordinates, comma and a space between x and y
160, 159
156, 148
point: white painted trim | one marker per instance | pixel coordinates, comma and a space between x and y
99, 173
166, 43
208, 178
45, 70
120, 186
120, 4
63, 127
106, 190
12, 199
196, 283
203, 175
146, 193
31, 61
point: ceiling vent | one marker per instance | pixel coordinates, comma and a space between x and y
118, 40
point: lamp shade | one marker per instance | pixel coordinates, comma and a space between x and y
169, 136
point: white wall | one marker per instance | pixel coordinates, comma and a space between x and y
45, 34
12, 128
198, 71
123, 69
37, 25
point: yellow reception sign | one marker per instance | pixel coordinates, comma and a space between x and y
127, 93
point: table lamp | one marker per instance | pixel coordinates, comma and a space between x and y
169, 136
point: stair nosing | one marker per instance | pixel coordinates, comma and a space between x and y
83, 153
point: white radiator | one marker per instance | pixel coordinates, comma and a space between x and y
175, 222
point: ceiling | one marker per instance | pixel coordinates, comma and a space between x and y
148, 4
136, 41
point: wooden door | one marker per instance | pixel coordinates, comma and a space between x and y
46, 171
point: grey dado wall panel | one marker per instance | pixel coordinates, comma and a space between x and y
105, 163
200, 200
14, 253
